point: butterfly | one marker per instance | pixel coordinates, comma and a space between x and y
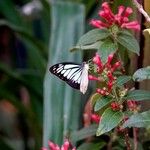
75, 75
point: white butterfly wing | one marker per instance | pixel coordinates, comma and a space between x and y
69, 72
84, 79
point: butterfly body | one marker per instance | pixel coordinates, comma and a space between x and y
72, 73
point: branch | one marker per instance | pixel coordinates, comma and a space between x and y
127, 139
141, 10
135, 130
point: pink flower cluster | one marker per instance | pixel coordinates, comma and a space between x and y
105, 73
121, 19
66, 146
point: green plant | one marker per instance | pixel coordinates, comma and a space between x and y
116, 106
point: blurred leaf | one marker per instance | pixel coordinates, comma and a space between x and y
35, 47
122, 80
129, 42
102, 102
61, 102
9, 11
4, 145
110, 119
83, 133
24, 80
45, 21
92, 146
138, 120
93, 36
106, 48
138, 95
142, 74
6, 94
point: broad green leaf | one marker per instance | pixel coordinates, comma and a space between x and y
129, 42
92, 146
61, 102
142, 74
124, 31
122, 80
84, 133
138, 95
106, 48
102, 102
138, 120
110, 119
94, 98
93, 36
94, 46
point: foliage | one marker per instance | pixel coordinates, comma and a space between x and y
114, 104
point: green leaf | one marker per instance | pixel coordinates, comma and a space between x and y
94, 46
124, 31
94, 98
9, 11
129, 42
83, 133
138, 120
103, 101
61, 102
122, 80
142, 74
93, 36
90, 146
138, 95
110, 119
106, 48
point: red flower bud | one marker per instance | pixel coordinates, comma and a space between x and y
109, 84
53, 146
66, 145
120, 10
110, 76
96, 118
131, 25
116, 65
97, 60
110, 57
102, 91
90, 77
127, 12
97, 23
115, 106
132, 105
44, 148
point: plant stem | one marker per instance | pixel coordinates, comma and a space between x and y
116, 96
141, 10
112, 139
127, 139
135, 138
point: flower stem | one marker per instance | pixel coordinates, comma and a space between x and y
127, 139
135, 138
115, 94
